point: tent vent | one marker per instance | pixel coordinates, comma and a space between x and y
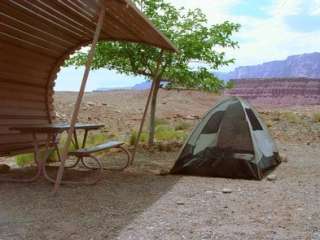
253, 120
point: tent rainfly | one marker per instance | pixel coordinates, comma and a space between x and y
230, 141
36, 37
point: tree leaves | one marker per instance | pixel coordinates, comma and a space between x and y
189, 31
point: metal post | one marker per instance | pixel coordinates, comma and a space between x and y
146, 108
80, 96
142, 122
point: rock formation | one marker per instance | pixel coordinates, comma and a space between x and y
305, 65
278, 91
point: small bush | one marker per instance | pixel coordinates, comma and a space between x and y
133, 138
316, 117
167, 133
24, 159
159, 121
291, 117
134, 135
27, 159
230, 85
182, 126
95, 139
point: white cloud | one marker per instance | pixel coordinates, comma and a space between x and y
263, 39
315, 8
282, 8
216, 10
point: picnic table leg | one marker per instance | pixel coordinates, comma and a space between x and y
77, 146
83, 146
36, 159
84, 141
75, 136
38, 164
47, 155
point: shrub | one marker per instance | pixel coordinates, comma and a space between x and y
182, 126
291, 117
159, 121
230, 84
316, 117
95, 139
134, 135
24, 159
167, 133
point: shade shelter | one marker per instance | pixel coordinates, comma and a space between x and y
36, 37
230, 141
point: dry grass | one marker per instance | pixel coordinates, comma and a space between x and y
316, 117
291, 117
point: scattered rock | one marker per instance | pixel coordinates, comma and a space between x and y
178, 116
4, 168
189, 118
180, 203
283, 158
160, 172
60, 115
209, 192
272, 177
226, 190
164, 172
91, 104
276, 119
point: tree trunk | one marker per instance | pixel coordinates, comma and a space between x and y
152, 125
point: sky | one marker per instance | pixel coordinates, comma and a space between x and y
270, 30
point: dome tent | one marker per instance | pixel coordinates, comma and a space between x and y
230, 141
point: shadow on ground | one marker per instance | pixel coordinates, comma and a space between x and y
30, 211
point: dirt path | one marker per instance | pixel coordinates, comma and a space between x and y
133, 205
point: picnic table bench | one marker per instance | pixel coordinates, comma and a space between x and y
89, 151
80, 152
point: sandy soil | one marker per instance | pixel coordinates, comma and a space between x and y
121, 111
140, 204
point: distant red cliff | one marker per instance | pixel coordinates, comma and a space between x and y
278, 91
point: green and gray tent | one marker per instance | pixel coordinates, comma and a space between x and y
230, 141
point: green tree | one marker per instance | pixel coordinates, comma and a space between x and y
192, 67
230, 84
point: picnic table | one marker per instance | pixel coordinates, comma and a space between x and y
51, 131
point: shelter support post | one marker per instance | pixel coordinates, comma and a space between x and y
152, 89
80, 96
142, 121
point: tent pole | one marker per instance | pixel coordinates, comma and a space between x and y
80, 96
146, 110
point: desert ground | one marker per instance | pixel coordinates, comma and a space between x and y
144, 203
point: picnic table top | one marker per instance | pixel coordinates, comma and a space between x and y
54, 127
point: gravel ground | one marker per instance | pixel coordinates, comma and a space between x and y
135, 205
141, 204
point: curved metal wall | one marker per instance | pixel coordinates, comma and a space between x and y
35, 39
